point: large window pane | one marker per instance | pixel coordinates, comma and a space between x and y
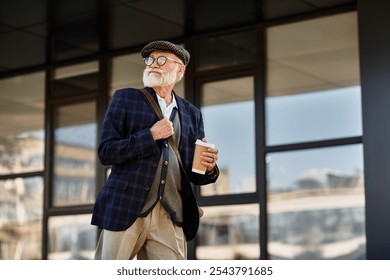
228, 108
226, 50
316, 204
229, 232
314, 116
76, 79
127, 72
75, 154
71, 238
21, 211
313, 80
21, 123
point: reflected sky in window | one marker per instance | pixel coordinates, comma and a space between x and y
313, 116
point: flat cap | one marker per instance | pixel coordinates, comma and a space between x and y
165, 46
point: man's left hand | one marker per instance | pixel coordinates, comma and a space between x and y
209, 157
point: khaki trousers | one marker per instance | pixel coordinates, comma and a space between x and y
154, 237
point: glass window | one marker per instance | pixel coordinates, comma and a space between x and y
228, 108
226, 50
229, 232
220, 13
71, 238
137, 22
77, 79
313, 81
21, 211
316, 207
22, 123
75, 154
127, 72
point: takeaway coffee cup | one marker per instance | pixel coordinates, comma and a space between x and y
197, 166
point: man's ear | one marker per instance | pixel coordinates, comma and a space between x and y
182, 69
180, 72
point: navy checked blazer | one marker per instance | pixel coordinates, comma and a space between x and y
126, 144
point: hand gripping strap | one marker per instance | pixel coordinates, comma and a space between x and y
159, 114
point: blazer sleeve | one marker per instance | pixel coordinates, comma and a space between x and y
121, 140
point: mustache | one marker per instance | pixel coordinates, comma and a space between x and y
155, 70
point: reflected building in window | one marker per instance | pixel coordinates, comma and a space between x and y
21, 200
319, 215
229, 232
71, 238
74, 173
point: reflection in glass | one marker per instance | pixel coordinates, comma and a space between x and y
229, 232
313, 79
71, 238
226, 50
21, 211
127, 71
74, 152
21, 124
314, 116
76, 79
316, 204
228, 107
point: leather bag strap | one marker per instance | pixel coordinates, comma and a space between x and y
159, 114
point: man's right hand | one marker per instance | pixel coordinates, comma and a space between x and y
162, 129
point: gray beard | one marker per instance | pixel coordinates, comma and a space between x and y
165, 79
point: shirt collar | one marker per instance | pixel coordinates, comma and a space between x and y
166, 110
161, 102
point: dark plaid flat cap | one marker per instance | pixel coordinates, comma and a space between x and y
165, 46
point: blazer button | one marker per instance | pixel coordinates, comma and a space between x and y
154, 164
147, 188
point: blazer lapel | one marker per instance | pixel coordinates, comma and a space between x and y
183, 114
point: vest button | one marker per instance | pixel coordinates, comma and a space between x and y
166, 162
162, 182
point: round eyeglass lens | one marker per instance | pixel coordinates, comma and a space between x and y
148, 60
161, 60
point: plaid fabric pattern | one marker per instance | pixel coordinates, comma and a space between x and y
127, 145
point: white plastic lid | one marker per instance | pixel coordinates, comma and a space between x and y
200, 142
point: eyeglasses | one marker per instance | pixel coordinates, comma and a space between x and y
161, 60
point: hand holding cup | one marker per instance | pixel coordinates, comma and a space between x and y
205, 157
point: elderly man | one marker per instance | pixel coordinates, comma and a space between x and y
147, 208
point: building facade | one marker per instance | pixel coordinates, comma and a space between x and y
293, 93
